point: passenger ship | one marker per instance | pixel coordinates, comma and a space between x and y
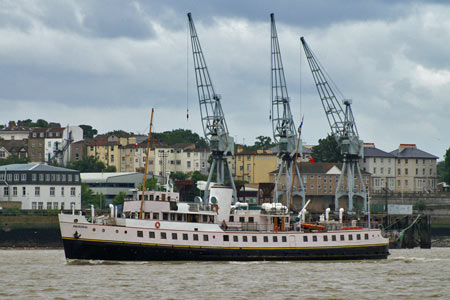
170, 230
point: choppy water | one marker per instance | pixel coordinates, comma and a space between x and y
406, 274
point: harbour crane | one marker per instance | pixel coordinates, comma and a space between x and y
213, 119
344, 131
284, 130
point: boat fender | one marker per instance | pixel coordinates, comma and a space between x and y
76, 235
157, 224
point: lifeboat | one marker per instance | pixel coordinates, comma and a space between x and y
313, 226
352, 228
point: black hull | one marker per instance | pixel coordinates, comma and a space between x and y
95, 250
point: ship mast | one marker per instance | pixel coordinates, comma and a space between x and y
146, 165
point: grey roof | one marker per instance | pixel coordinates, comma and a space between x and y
412, 153
34, 167
375, 152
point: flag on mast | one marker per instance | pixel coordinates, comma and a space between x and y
301, 124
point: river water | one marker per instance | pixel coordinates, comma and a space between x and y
45, 274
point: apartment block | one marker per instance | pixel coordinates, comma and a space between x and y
415, 170
253, 166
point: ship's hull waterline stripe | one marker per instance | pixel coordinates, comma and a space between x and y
217, 247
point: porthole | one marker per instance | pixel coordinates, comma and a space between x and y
103, 230
93, 229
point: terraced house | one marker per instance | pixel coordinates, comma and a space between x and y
38, 186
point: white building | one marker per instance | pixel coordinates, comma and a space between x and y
16, 133
39, 186
58, 140
111, 184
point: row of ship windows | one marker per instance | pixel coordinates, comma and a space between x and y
254, 238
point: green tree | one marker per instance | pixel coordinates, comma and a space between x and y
178, 176
14, 159
41, 123
197, 176
446, 167
87, 164
119, 199
88, 131
263, 142
327, 150
180, 136
110, 169
151, 184
99, 201
87, 195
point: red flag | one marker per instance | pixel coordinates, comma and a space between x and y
312, 160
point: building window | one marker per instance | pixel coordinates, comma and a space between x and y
406, 171
399, 172
15, 191
275, 239
52, 191
374, 170
205, 237
185, 236
254, 238
417, 171
69, 177
49, 205
406, 161
174, 236
34, 205
189, 164
195, 237
62, 191
151, 234
40, 205
235, 238
72, 191
163, 235
6, 191
406, 182
47, 177
37, 191
24, 191
9, 177
63, 177
55, 205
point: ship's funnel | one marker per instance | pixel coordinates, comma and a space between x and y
223, 195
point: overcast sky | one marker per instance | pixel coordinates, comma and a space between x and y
107, 63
